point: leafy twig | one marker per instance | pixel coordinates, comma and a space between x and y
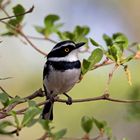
104, 63
39, 93
21, 14
27, 39
5, 92
18, 30
42, 38
110, 78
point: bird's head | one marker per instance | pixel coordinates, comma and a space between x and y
65, 50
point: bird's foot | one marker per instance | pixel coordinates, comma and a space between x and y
69, 101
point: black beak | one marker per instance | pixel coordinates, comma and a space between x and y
78, 45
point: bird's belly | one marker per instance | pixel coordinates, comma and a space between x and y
61, 82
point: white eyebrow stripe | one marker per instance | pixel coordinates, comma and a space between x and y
63, 46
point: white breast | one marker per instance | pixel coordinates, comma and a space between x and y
61, 82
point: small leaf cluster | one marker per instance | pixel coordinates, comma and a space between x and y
89, 123
46, 125
115, 47
29, 117
14, 24
5, 100
50, 25
94, 58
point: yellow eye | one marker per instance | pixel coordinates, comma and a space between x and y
66, 50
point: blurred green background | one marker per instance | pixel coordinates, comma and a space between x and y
25, 65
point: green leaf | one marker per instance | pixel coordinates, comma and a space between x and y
81, 30
121, 39
60, 134
31, 103
29, 115
4, 99
16, 99
39, 29
50, 26
77, 35
99, 124
85, 66
114, 53
12, 24
7, 34
33, 122
96, 56
3, 126
66, 35
13, 113
129, 58
19, 9
45, 124
87, 124
15, 22
50, 20
108, 40
94, 43
108, 132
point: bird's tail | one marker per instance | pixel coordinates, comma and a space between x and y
47, 113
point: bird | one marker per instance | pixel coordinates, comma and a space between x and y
61, 72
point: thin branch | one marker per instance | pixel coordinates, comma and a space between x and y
110, 78
5, 92
6, 78
4, 11
42, 38
101, 98
3, 5
38, 93
96, 138
104, 63
18, 30
21, 14
45, 135
27, 39
111, 73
